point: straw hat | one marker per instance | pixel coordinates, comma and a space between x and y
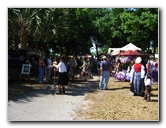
138, 60
55, 63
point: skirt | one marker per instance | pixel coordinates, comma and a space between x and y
63, 79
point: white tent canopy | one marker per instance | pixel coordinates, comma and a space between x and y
114, 51
130, 46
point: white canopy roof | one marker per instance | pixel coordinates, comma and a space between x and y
130, 46
114, 51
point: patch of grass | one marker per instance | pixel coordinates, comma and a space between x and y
118, 103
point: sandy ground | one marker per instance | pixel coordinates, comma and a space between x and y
44, 108
118, 104
83, 101
43, 105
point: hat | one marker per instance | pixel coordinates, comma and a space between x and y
55, 63
71, 56
104, 57
138, 60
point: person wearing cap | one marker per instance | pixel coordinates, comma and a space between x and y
137, 75
104, 73
62, 76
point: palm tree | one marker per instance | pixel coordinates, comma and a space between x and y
22, 22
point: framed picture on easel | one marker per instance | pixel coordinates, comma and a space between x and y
26, 68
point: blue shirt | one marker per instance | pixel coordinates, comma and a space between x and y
105, 65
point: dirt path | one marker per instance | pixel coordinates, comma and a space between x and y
80, 101
43, 105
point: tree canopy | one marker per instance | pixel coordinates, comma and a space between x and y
71, 30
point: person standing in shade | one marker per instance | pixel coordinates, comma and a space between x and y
84, 69
41, 66
98, 65
62, 76
104, 73
49, 69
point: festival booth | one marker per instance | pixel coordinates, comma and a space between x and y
117, 51
125, 54
126, 57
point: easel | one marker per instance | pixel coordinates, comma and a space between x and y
26, 68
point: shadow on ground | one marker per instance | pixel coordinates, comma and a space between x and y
25, 90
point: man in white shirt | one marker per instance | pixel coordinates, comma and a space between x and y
62, 77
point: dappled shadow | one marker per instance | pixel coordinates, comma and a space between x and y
76, 90
154, 95
154, 100
119, 88
19, 91
155, 89
26, 95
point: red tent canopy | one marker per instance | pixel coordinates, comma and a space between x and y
130, 53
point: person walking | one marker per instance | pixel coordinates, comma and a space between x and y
62, 76
104, 73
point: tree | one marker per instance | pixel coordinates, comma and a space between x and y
20, 22
71, 30
141, 25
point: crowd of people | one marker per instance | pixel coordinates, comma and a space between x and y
66, 68
141, 76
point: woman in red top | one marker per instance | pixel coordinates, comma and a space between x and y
137, 76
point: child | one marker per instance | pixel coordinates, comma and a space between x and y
148, 87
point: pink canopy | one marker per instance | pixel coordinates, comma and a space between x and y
130, 53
